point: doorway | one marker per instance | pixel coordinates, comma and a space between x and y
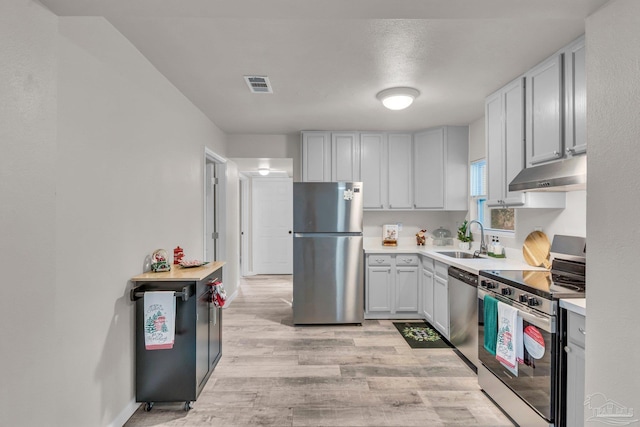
214, 211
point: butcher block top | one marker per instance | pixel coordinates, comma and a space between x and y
177, 273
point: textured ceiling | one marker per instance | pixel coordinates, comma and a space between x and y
327, 59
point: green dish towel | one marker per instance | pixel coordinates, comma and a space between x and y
490, 324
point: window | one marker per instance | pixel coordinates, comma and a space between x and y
478, 190
494, 219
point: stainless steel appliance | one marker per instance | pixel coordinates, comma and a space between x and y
533, 396
328, 266
463, 313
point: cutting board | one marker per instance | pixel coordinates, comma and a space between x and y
536, 249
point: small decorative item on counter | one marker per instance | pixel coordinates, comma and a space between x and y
421, 238
442, 237
465, 241
159, 261
390, 235
178, 254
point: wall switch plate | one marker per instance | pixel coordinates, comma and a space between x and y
399, 226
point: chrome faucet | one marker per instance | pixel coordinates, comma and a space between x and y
483, 247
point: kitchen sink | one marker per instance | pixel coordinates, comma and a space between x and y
457, 254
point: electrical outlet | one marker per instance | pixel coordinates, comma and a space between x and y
399, 226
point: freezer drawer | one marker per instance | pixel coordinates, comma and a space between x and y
328, 279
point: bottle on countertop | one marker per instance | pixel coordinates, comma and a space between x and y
490, 245
498, 249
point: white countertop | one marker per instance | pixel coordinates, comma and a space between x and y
472, 265
577, 305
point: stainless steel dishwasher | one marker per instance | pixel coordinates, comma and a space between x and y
463, 313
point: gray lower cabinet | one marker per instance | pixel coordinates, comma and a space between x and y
435, 294
407, 280
378, 284
392, 286
575, 350
441, 299
427, 285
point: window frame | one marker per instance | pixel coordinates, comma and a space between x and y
478, 201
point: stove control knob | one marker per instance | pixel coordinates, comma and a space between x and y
533, 302
523, 298
491, 285
505, 291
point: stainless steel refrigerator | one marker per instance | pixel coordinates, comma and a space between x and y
328, 276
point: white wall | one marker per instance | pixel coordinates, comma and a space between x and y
81, 209
412, 222
613, 203
27, 214
232, 220
274, 146
130, 180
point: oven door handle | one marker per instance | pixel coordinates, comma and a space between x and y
546, 323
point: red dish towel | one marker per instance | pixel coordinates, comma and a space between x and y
159, 320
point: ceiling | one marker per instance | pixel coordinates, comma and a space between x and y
328, 59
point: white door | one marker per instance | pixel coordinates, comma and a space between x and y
272, 214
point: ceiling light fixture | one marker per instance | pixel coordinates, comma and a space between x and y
398, 98
263, 171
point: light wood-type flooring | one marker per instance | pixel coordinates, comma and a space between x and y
274, 374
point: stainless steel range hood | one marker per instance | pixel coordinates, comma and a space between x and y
564, 175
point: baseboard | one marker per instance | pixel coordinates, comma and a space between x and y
230, 298
125, 414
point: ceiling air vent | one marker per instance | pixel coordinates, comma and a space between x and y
258, 84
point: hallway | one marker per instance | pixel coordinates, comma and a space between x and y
274, 374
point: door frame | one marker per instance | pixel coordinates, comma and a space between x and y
246, 252
220, 164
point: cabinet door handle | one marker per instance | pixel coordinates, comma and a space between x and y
582, 331
556, 153
571, 150
567, 349
379, 260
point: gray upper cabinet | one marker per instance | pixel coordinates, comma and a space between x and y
504, 127
575, 98
399, 157
345, 157
373, 172
544, 107
556, 105
428, 169
504, 114
456, 165
316, 156
399, 171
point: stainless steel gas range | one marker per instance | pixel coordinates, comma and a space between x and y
522, 367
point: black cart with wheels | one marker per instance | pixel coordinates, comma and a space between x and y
179, 374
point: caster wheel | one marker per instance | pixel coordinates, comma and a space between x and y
148, 406
187, 406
